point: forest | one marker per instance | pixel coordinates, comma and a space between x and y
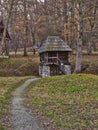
30, 22
59, 101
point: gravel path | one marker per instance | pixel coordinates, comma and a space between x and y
22, 118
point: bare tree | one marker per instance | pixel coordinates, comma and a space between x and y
6, 24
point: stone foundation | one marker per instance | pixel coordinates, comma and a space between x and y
67, 69
44, 71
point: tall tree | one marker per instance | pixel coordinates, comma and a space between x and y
6, 24
79, 6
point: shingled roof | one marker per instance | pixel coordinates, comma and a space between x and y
54, 43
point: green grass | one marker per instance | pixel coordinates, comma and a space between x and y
7, 85
70, 100
2, 128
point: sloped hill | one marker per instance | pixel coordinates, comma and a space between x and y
70, 101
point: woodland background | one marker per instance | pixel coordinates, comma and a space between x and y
29, 22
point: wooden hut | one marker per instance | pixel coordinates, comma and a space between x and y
54, 57
5, 47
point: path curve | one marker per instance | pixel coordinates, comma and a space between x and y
22, 118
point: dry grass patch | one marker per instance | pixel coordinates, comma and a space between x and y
21, 66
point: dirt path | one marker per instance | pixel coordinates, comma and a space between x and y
22, 118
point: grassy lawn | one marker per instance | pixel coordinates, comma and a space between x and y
70, 100
7, 85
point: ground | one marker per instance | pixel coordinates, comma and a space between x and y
70, 101
20, 117
29, 66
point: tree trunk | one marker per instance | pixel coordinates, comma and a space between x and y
26, 28
78, 57
89, 49
65, 21
94, 46
79, 40
34, 42
25, 49
6, 25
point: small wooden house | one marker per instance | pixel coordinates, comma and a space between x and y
54, 57
5, 46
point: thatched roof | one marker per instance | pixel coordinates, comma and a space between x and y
54, 43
